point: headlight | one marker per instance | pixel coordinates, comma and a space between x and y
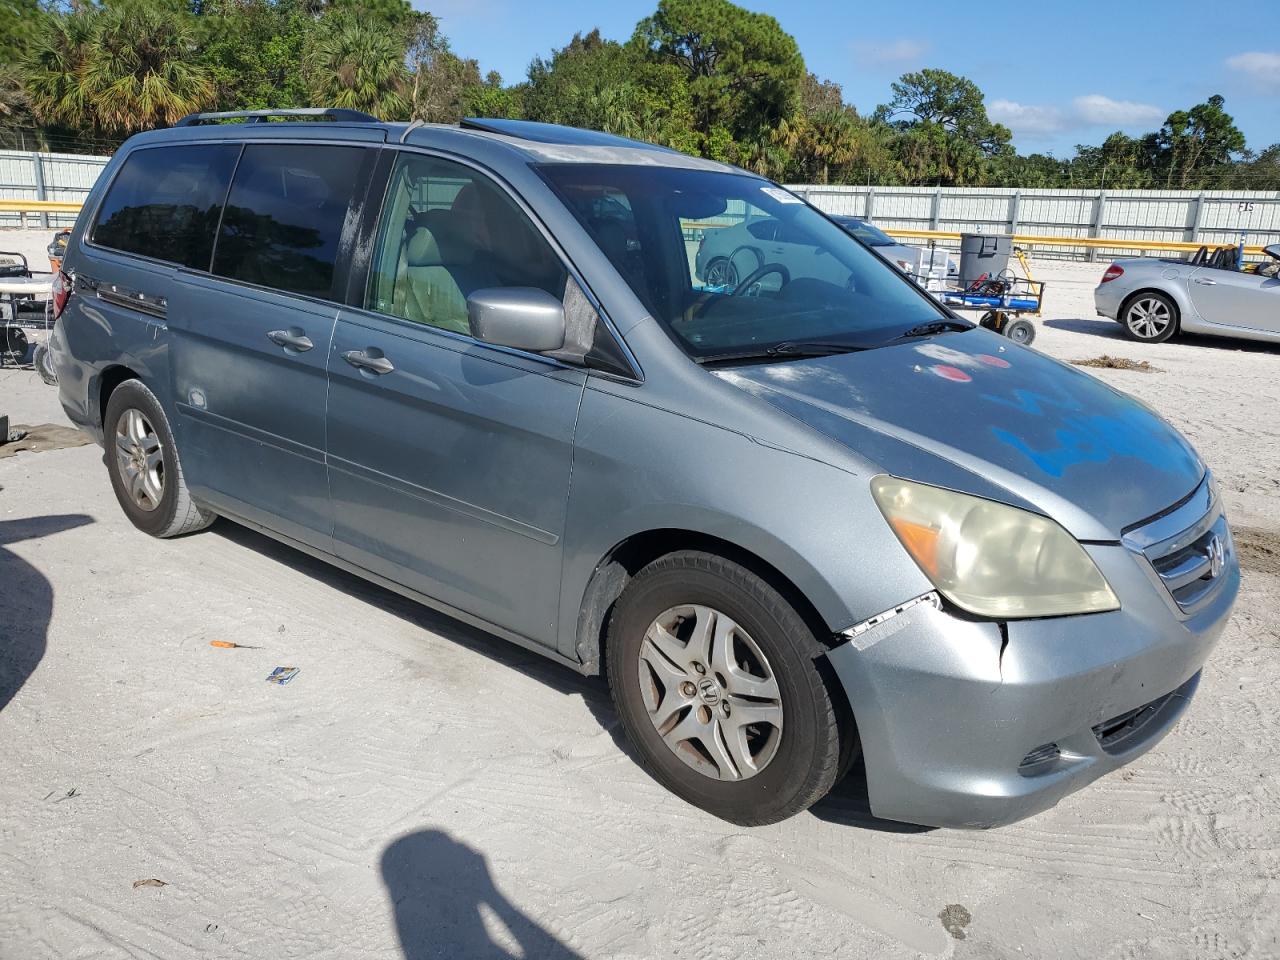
989, 558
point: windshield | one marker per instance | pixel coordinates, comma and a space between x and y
871, 236
732, 265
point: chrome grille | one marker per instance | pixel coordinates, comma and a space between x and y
1192, 572
1189, 547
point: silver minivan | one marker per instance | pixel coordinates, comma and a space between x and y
794, 522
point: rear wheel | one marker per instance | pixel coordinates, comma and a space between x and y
721, 273
142, 460
716, 680
42, 360
1150, 317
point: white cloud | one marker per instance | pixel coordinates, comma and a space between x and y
1259, 66
1036, 121
1096, 110
1026, 118
902, 51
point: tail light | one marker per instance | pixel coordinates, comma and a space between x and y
61, 293
1113, 271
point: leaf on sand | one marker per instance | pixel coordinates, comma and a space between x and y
150, 882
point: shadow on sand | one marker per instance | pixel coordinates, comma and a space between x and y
447, 906
28, 601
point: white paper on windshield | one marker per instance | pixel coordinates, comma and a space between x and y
781, 195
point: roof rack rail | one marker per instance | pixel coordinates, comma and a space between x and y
334, 114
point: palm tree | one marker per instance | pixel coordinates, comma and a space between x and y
117, 71
140, 73
358, 67
55, 66
13, 98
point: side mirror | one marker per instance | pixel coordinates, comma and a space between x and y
1272, 251
524, 318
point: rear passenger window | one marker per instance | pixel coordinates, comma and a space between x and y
285, 214
165, 201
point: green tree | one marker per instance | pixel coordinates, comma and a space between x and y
253, 51
117, 70
1259, 172
602, 85
1196, 146
357, 64
441, 82
944, 135
743, 71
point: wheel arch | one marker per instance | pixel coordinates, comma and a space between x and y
630, 555
110, 378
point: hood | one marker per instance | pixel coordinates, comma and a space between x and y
974, 411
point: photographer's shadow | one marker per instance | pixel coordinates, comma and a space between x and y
439, 889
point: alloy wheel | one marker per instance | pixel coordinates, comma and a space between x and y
140, 457
722, 273
710, 692
1149, 317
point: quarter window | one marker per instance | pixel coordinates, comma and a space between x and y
165, 201
446, 232
285, 215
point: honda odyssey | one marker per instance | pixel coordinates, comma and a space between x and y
794, 522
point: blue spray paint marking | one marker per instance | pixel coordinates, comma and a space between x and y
1099, 438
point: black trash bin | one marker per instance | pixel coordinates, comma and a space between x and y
983, 253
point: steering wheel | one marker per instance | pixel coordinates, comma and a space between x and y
756, 275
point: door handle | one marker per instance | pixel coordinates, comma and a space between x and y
1206, 281
362, 361
291, 339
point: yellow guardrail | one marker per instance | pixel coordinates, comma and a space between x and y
1096, 243
9, 205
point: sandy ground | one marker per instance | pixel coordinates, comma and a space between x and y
422, 790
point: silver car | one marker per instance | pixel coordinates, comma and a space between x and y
909, 259
732, 255
793, 522
1155, 299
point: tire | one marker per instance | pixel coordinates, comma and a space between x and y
1149, 317
42, 360
802, 740
14, 344
721, 272
1020, 331
137, 434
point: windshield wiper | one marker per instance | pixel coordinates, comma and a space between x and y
788, 350
933, 327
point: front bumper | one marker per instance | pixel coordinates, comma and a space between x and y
948, 708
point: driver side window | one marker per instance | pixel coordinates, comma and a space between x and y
446, 232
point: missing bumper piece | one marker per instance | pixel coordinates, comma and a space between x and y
860, 634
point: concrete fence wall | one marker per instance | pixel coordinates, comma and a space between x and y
1211, 217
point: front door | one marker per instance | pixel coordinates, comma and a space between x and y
251, 337
449, 459
1236, 299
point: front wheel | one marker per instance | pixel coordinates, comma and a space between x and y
1020, 331
1150, 318
142, 460
716, 680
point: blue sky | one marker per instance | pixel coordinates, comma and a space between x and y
1056, 73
